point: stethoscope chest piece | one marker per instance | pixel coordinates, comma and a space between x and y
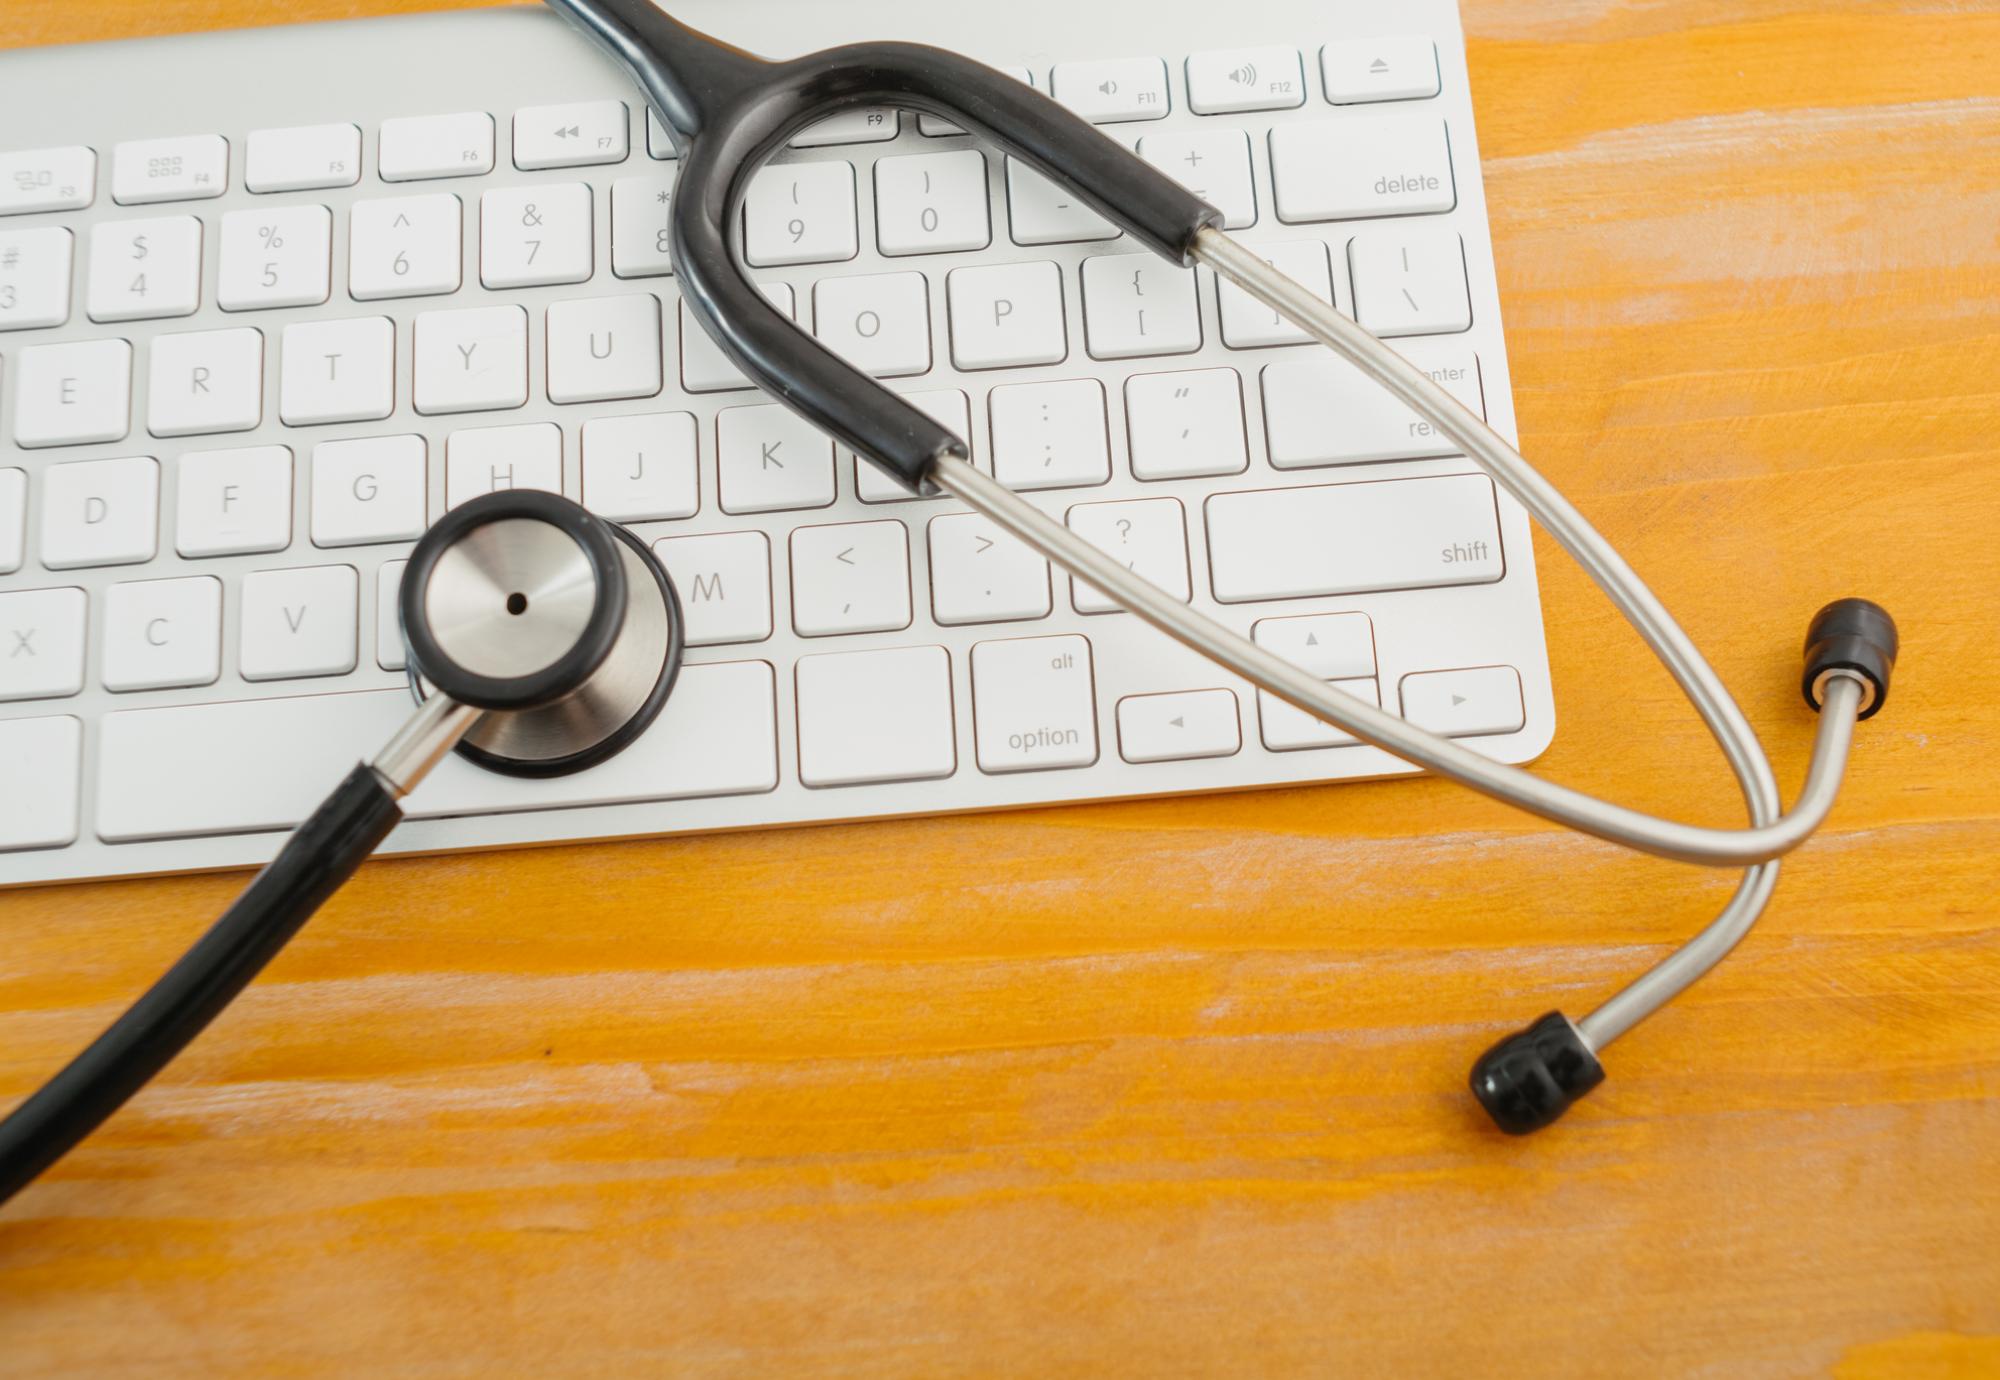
564, 628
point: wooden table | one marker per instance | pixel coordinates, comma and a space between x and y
1176, 1088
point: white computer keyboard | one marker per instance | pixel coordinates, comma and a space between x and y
272, 300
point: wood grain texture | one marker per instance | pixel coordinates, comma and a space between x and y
1175, 1088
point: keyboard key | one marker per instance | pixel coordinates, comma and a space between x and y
1332, 646
411, 148
34, 277
704, 368
641, 239
337, 371
1286, 728
41, 762
850, 577
641, 468
1004, 316
1319, 410
659, 139
13, 519
71, 395
875, 716
1248, 324
604, 347
163, 633
403, 247
190, 168
1034, 707
800, 213
388, 621
1352, 538
61, 179
1178, 727
571, 136
1214, 164
302, 158
41, 644
233, 502
1379, 69
769, 460
1463, 704
486, 460
724, 580
1410, 280
534, 236
1232, 79
1187, 423
1041, 212
949, 407
932, 203
299, 623
1138, 304
275, 256
1149, 535
936, 126
206, 381
471, 360
1116, 89
1050, 435
1365, 165
880, 322
868, 124
144, 268
373, 489
980, 574
100, 512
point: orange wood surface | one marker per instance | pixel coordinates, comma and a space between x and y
1177, 1088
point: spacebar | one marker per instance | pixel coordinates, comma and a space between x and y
247, 765
1354, 538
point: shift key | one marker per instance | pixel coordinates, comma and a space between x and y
1354, 538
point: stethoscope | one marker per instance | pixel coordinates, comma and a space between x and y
542, 640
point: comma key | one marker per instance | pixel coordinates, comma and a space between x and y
1034, 704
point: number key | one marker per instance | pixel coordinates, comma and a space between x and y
640, 236
278, 256
530, 236
800, 213
403, 246
932, 203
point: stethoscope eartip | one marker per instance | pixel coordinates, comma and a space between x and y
1855, 636
1529, 1079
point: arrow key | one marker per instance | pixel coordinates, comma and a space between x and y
1177, 727
1461, 704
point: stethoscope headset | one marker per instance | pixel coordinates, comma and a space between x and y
542, 640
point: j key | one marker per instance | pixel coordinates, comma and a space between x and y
100, 512
34, 277
1214, 164
61, 179
1361, 166
41, 760
724, 581
163, 633
1034, 707
232, 502
1319, 410
533, 236
337, 371
13, 519
980, 574
640, 235
850, 577
436, 146
1138, 304
1353, 538
1050, 435
1410, 281
373, 489
880, 322
302, 158
571, 136
932, 203
1040, 212
403, 247
275, 256
206, 381
1004, 316
1148, 536
1379, 69
1249, 324
1178, 727
641, 468
1235, 79
471, 359
768, 460
298, 623
604, 347
68, 395
1186, 423
486, 460
41, 644
875, 716
800, 213
191, 168
144, 268
1108, 91
1463, 704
